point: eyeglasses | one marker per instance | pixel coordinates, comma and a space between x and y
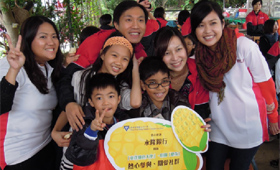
155, 85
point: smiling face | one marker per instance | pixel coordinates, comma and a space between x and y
210, 30
132, 24
105, 98
115, 60
45, 44
257, 7
158, 94
190, 45
175, 56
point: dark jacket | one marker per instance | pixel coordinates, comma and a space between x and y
175, 99
266, 42
147, 41
83, 151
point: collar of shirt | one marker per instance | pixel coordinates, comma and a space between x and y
151, 110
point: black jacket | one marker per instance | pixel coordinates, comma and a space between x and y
83, 151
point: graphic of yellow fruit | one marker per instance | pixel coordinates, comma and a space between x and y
142, 136
187, 127
158, 147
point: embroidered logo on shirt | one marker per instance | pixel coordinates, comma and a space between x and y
240, 60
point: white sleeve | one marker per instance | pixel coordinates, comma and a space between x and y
125, 97
76, 79
255, 61
4, 67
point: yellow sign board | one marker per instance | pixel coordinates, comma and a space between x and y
186, 125
147, 143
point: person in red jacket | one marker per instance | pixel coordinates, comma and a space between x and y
255, 19
159, 14
185, 22
130, 20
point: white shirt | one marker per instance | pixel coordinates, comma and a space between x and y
236, 122
28, 123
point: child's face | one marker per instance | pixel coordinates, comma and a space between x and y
190, 45
210, 30
175, 56
115, 60
157, 94
106, 98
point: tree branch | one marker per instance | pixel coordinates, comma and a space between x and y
8, 20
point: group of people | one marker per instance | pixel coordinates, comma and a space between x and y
214, 70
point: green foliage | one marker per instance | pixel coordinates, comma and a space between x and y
77, 14
235, 3
189, 4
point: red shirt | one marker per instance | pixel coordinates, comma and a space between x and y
186, 27
163, 22
151, 27
90, 48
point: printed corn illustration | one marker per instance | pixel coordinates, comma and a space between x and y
147, 145
187, 127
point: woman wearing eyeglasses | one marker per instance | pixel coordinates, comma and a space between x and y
171, 48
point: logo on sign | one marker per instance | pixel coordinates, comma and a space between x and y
126, 128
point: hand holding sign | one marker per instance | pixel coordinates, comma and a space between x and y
190, 129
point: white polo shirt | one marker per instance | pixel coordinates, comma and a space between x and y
27, 125
236, 121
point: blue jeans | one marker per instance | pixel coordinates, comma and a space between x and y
240, 159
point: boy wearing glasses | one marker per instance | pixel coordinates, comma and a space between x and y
158, 100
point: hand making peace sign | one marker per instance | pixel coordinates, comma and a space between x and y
97, 123
15, 57
16, 60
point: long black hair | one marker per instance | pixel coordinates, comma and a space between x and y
124, 77
28, 32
